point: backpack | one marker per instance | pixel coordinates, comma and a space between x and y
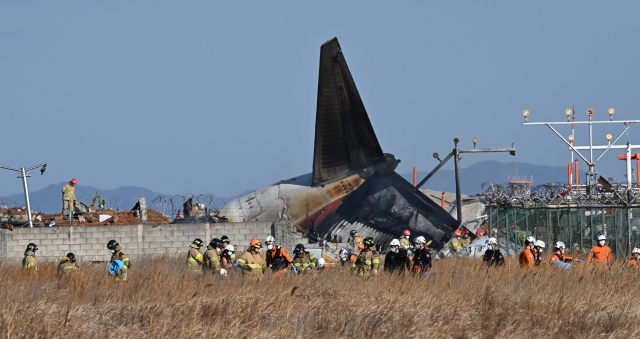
278, 263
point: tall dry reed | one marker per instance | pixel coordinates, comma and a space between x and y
458, 299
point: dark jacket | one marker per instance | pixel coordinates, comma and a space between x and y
493, 257
422, 260
397, 261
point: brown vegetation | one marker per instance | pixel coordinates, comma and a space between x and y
459, 299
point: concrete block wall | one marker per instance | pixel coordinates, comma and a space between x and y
89, 242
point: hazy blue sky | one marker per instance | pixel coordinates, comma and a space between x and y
220, 97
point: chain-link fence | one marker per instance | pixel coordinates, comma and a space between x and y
576, 227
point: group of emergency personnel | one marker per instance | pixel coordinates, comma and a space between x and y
219, 257
600, 254
401, 258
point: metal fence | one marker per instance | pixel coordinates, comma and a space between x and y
576, 227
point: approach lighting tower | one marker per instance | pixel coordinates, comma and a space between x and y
591, 173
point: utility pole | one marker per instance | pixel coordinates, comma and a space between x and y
24, 174
456, 154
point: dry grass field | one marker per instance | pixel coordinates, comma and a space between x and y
459, 299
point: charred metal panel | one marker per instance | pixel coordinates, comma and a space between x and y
344, 140
389, 204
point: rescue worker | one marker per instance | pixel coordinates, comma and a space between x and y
367, 262
465, 241
211, 258
29, 260
225, 242
303, 261
492, 255
225, 258
526, 258
558, 254
251, 262
321, 263
479, 234
633, 262
116, 254
194, 257
68, 264
345, 256
538, 249
558, 258
396, 260
276, 257
601, 252
456, 242
356, 239
421, 257
69, 196
404, 241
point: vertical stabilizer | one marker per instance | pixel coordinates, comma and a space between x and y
345, 140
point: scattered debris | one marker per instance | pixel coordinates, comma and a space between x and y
17, 217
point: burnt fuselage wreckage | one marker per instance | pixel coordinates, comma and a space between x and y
353, 184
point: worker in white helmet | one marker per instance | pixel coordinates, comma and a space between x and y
397, 259
421, 257
492, 255
538, 249
526, 258
601, 253
633, 262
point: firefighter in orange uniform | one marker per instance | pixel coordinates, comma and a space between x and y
633, 263
277, 258
527, 259
601, 253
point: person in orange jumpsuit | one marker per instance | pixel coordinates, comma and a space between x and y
527, 259
601, 253
277, 258
633, 262
558, 255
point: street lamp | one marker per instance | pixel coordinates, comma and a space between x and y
24, 173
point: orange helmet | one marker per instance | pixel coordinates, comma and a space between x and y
406, 232
255, 243
479, 233
457, 233
73, 181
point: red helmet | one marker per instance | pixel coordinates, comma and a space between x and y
457, 233
479, 233
406, 232
255, 243
73, 181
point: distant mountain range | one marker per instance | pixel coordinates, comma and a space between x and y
49, 199
472, 177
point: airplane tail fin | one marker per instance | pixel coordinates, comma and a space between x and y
344, 140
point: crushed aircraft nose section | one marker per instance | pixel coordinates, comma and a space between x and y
390, 205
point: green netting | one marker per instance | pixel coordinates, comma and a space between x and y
576, 227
